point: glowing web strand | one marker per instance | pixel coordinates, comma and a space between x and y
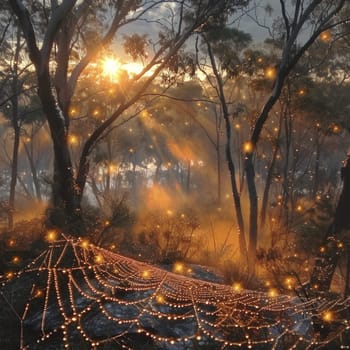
83, 280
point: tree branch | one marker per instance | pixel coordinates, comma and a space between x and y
27, 29
58, 15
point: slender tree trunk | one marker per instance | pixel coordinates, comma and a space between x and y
317, 165
268, 182
34, 172
14, 168
253, 212
265, 199
16, 130
347, 276
229, 159
284, 215
218, 166
218, 159
188, 177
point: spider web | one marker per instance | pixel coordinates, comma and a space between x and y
77, 293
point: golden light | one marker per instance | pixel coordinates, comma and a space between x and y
10, 275
260, 59
160, 299
325, 36
134, 68
144, 114
301, 92
178, 267
336, 129
270, 73
15, 259
299, 208
72, 140
145, 274
340, 245
237, 287
98, 259
51, 236
322, 249
112, 168
73, 111
111, 67
273, 292
84, 243
248, 147
38, 293
11, 242
328, 316
289, 282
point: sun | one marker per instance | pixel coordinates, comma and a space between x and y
111, 66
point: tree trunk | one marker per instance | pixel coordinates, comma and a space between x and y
268, 182
16, 130
229, 158
218, 159
317, 165
188, 177
347, 272
265, 199
284, 214
327, 259
34, 172
65, 212
253, 212
14, 167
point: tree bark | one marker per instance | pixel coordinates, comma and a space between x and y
16, 130
327, 259
265, 198
291, 54
65, 194
230, 163
33, 171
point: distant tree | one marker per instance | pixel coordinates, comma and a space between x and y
295, 18
224, 46
70, 29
